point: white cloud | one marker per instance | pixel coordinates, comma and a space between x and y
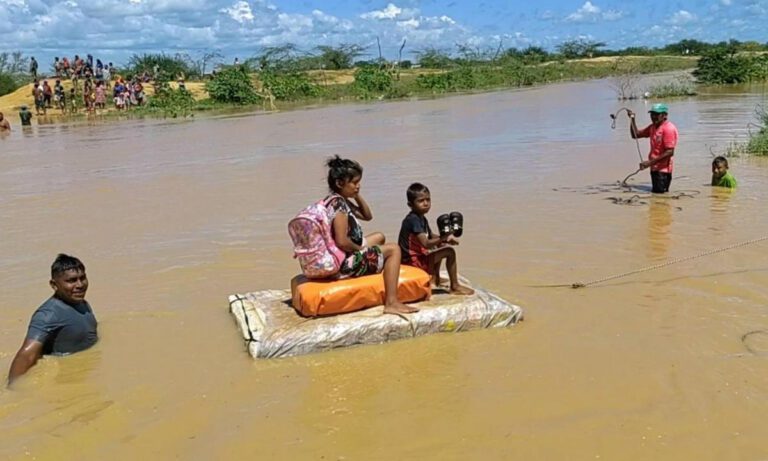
592, 13
391, 12
682, 17
757, 7
239, 11
409, 24
115, 29
294, 22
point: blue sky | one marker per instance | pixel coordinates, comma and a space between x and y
115, 29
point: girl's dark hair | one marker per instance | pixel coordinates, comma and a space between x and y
414, 190
720, 160
342, 169
64, 263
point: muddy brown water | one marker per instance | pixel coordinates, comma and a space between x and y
172, 216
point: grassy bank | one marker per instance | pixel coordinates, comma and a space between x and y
294, 90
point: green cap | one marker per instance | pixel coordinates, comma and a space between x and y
659, 108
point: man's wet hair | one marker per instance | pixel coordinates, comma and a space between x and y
720, 160
64, 263
342, 169
414, 190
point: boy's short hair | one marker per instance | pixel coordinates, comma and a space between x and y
64, 263
720, 160
414, 190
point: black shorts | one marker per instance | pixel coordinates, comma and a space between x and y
660, 181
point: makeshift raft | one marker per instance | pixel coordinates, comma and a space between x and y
271, 328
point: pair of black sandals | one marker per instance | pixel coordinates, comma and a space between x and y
450, 224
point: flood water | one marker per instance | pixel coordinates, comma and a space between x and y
170, 217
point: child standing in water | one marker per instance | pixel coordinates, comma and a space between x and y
364, 255
720, 175
421, 248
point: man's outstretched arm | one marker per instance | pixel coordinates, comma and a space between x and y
27, 356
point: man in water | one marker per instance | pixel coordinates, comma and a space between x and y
62, 325
26, 116
4, 125
663, 137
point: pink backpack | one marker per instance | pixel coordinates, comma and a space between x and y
313, 243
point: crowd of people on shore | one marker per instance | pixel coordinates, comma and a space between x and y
95, 85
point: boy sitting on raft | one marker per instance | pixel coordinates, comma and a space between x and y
720, 175
421, 248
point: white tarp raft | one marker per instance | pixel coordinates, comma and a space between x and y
272, 328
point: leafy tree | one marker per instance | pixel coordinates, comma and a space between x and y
13, 67
473, 55
277, 58
580, 48
207, 58
232, 85
340, 57
530, 55
169, 67
689, 46
13, 63
433, 58
725, 65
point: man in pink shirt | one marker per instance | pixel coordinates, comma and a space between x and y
663, 136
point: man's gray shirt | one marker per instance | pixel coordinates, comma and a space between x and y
63, 329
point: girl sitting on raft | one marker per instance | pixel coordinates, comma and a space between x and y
364, 255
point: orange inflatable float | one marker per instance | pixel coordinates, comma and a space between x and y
313, 298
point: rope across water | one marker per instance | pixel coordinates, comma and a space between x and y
637, 142
655, 266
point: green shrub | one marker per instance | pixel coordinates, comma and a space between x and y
289, 85
232, 85
758, 144
722, 66
464, 78
7, 84
370, 81
171, 102
459, 79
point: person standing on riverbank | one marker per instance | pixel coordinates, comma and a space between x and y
33, 68
663, 136
62, 325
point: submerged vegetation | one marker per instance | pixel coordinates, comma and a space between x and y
757, 144
682, 85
